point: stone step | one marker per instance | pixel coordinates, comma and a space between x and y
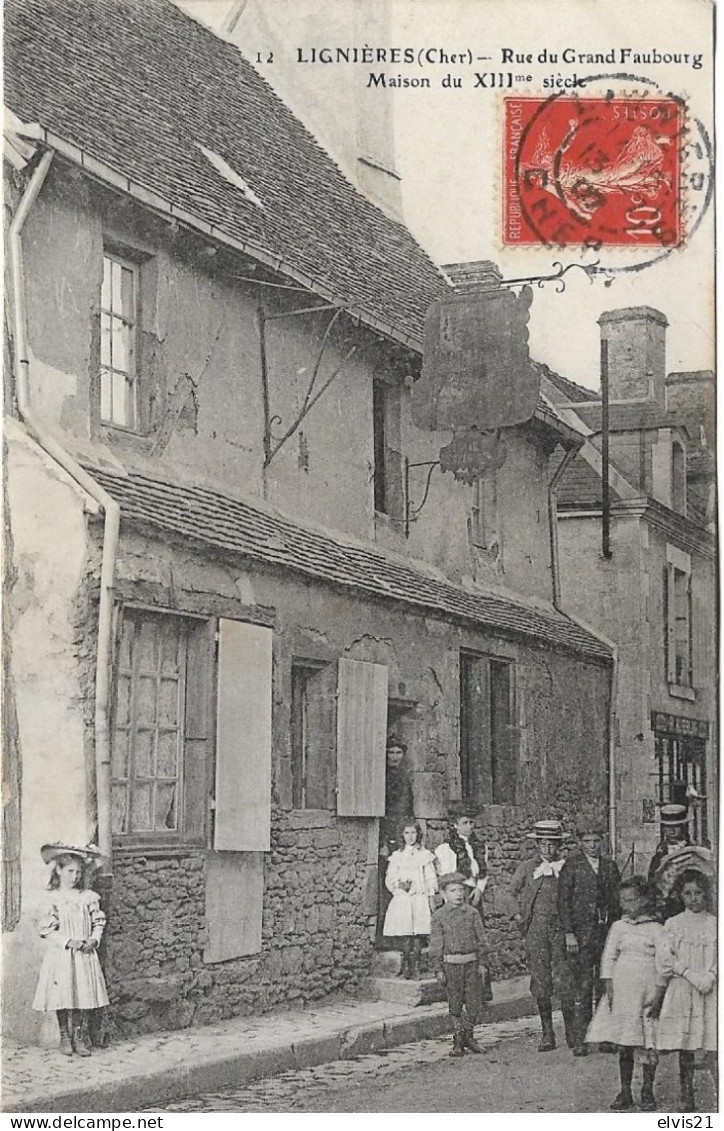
410, 992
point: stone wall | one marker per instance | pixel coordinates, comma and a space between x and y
315, 931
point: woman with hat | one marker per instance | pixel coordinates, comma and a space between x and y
71, 980
535, 884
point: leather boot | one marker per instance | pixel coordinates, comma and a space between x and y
582, 1020
624, 1099
548, 1039
80, 1037
469, 1041
66, 1046
648, 1100
458, 1048
568, 1010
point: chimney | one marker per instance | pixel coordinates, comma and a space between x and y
636, 337
692, 396
478, 275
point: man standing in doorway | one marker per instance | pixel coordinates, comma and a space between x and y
587, 905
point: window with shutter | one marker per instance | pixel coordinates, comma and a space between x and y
361, 736
677, 612
162, 745
243, 738
488, 752
312, 735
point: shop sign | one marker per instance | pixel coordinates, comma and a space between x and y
477, 370
664, 723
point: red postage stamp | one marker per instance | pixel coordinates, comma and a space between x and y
593, 171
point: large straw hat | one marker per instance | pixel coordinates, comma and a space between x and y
547, 830
88, 853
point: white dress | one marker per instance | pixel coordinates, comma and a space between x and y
686, 961
629, 960
409, 911
71, 979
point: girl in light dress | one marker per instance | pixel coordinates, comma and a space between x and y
686, 960
71, 980
628, 972
412, 880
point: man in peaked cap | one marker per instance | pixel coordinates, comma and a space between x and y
535, 884
587, 905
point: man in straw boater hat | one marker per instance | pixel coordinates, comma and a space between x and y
535, 884
674, 854
587, 905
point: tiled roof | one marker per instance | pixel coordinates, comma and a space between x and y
211, 519
143, 88
700, 462
562, 387
580, 487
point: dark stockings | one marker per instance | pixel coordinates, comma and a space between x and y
686, 1077
625, 1068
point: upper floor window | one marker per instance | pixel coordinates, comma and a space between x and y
678, 478
119, 328
386, 426
484, 514
678, 635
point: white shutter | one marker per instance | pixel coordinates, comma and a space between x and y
243, 738
361, 738
234, 902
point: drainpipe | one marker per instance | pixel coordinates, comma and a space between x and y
110, 508
553, 521
555, 572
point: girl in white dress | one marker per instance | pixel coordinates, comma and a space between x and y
71, 980
412, 880
686, 960
628, 973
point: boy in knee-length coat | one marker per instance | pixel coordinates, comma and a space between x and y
535, 884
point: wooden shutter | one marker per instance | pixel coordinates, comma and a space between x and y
361, 738
198, 742
243, 738
234, 899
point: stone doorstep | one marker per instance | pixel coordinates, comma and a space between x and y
197, 1069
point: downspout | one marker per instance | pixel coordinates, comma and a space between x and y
556, 578
88, 484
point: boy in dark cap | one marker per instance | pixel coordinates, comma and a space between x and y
458, 951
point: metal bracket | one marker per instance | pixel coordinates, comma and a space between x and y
413, 513
272, 443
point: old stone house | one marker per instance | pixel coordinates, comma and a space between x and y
655, 596
224, 592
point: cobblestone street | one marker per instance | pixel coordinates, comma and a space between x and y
510, 1076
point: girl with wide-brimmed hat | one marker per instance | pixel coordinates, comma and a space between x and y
71, 981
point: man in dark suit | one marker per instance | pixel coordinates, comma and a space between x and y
587, 905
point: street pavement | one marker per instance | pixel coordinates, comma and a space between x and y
509, 1076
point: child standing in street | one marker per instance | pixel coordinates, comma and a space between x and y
71, 980
686, 960
412, 880
459, 951
625, 1013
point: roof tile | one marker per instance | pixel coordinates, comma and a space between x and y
215, 520
139, 86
